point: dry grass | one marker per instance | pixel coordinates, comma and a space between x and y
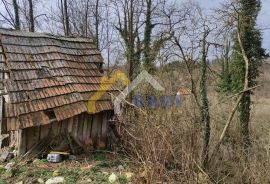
166, 144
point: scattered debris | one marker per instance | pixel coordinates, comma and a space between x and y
40, 180
10, 171
97, 168
9, 166
4, 156
120, 168
39, 148
129, 176
113, 178
15, 153
54, 158
60, 153
55, 180
88, 167
57, 156
105, 173
56, 173
61, 146
89, 181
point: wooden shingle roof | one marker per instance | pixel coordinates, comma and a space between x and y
47, 72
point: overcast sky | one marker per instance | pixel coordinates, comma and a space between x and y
263, 20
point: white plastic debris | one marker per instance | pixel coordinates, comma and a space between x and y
129, 176
113, 178
40, 180
55, 180
9, 166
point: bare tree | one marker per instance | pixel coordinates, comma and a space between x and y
66, 15
191, 39
8, 18
96, 15
17, 17
128, 27
31, 17
156, 30
204, 105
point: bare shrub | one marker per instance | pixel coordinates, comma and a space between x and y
163, 144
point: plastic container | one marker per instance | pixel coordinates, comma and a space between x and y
54, 158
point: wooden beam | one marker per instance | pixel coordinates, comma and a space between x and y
21, 142
1, 109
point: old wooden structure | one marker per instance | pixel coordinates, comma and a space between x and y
46, 82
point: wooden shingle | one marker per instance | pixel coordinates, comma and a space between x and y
49, 73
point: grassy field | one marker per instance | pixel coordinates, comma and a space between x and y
95, 169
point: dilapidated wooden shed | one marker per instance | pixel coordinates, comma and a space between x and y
46, 82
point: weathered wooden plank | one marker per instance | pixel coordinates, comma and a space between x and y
64, 127
44, 131
21, 142
75, 126
38, 133
55, 127
59, 127
80, 126
85, 125
32, 136
1, 114
90, 123
1, 109
70, 124
102, 131
28, 139
95, 127
104, 127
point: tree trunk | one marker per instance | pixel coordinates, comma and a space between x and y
85, 32
128, 28
97, 23
66, 18
204, 107
148, 63
31, 17
247, 58
244, 110
17, 16
63, 16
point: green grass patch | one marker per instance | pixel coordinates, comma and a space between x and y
2, 181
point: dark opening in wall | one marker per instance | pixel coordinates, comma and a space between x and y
50, 113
